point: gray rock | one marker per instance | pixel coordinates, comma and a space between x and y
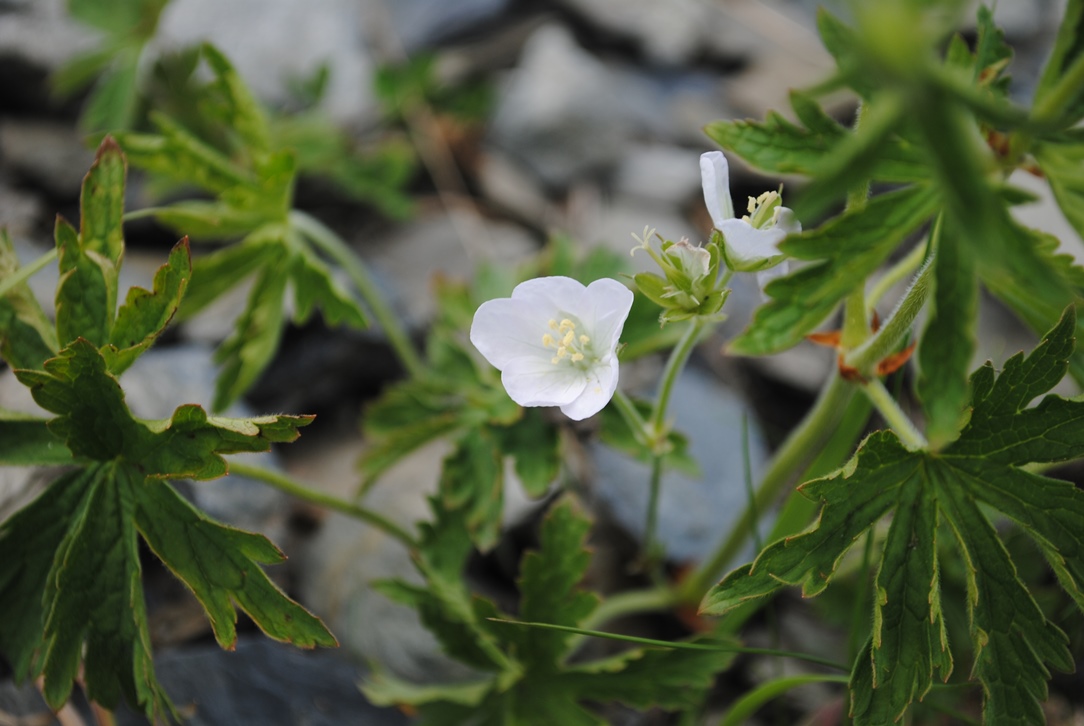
424, 23
671, 33
49, 155
694, 514
410, 256
563, 113
271, 42
40, 33
19, 212
659, 173
267, 683
338, 566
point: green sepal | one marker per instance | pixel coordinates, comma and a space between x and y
220, 565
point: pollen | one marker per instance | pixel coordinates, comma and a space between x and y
566, 345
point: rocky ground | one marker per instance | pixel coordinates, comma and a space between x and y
595, 131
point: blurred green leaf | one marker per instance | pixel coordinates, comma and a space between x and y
845, 251
534, 446
254, 339
948, 340
1053, 90
472, 481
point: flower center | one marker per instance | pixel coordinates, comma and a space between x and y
566, 344
762, 210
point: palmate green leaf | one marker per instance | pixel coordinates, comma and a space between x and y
847, 250
472, 481
27, 337
444, 604
948, 339
28, 542
94, 422
86, 296
534, 446
27, 441
240, 110
113, 101
216, 273
1013, 640
218, 563
314, 286
255, 337
837, 158
548, 586
94, 611
145, 314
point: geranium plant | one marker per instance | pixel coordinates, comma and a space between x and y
919, 518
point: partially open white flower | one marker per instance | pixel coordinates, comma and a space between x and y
554, 342
751, 244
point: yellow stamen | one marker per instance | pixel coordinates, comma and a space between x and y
553, 324
547, 340
576, 357
584, 340
562, 352
569, 338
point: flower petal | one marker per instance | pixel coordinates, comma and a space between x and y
554, 293
599, 388
535, 381
505, 329
749, 249
606, 304
715, 178
786, 220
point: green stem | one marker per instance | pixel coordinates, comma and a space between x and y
787, 464
23, 274
893, 415
896, 273
296, 489
628, 603
678, 357
653, 554
632, 417
886, 340
326, 239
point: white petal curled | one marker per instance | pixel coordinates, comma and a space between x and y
749, 249
715, 178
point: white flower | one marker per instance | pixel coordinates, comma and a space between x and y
751, 244
554, 342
